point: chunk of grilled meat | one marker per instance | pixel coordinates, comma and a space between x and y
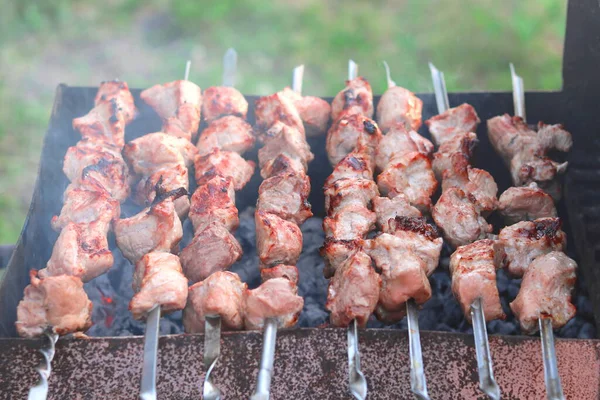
169, 178
155, 151
459, 217
58, 303
285, 141
314, 111
81, 250
411, 175
118, 90
104, 124
220, 101
280, 165
347, 192
456, 150
397, 142
355, 165
452, 122
96, 167
355, 98
525, 203
350, 223
156, 228
290, 272
474, 181
337, 252
473, 268
277, 108
519, 244
399, 106
214, 202
212, 249
286, 195
228, 133
546, 292
178, 103
275, 298
226, 164
221, 294
386, 209
525, 151
353, 291
81, 206
277, 241
158, 281
345, 133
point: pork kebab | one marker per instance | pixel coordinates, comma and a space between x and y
55, 302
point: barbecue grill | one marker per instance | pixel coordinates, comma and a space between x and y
311, 362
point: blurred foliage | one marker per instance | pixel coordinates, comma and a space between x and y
44, 42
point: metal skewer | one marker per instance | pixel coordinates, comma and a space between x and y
40, 390
485, 368
212, 324
356, 379
551, 376
148, 383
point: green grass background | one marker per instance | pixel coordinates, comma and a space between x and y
43, 43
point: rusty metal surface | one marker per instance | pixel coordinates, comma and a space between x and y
310, 364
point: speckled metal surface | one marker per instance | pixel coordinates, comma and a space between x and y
310, 364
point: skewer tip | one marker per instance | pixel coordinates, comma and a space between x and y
188, 65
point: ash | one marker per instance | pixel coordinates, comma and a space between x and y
112, 292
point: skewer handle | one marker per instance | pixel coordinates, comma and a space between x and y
40, 390
297, 78
229, 67
357, 381
551, 377
265, 373
439, 86
148, 385
352, 69
518, 93
487, 382
212, 351
188, 65
388, 75
418, 383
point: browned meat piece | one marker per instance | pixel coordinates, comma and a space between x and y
386, 209
105, 123
473, 268
457, 150
228, 133
58, 303
348, 192
356, 98
81, 250
277, 241
412, 176
397, 142
275, 298
226, 164
284, 141
355, 165
155, 151
314, 111
459, 217
95, 167
84, 206
158, 281
353, 291
282, 164
403, 273
519, 244
336, 252
421, 238
277, 107
168, 178
221, 294
474, 181
345, 133
118, 90
390, 317
212, 249
525, 204
286, 195
220, 101
452, 122
290, 272
399, 106
178, 103
546, 292
214, 202
156, 228
525, 151
350, 223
